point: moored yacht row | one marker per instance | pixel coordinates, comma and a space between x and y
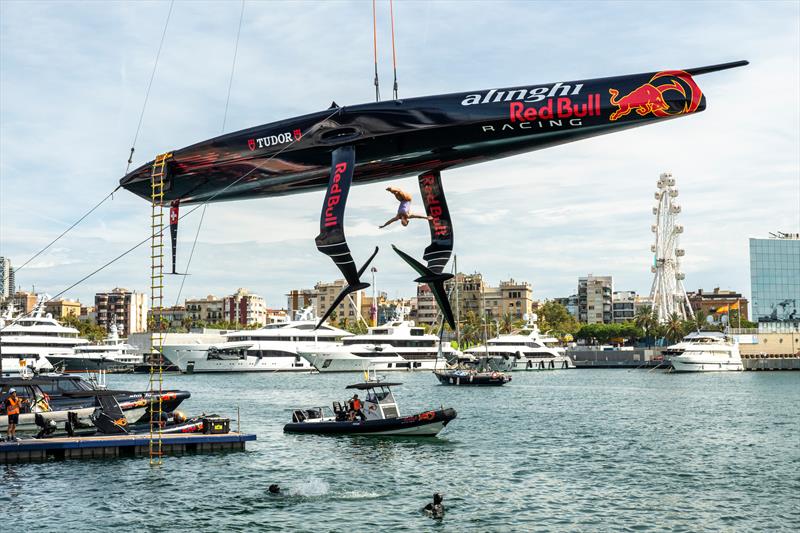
39, 343
398, 345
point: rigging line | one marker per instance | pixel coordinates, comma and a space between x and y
233, 67
394, 57
149, 86
222, 130
40, 252
375, 51
240, 178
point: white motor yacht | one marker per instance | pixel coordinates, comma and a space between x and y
396, 345
27, 343
705, 351
112, 353
272, 348
528, 349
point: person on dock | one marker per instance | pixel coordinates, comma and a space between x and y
404, 210
12, 404
435, 509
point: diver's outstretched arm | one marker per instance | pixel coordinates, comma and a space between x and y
390, 221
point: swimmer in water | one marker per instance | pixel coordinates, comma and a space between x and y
435, 509
404, 211
274, 489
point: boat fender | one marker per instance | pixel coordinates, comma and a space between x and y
495, 375
430, 415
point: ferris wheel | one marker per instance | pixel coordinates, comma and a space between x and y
667, 293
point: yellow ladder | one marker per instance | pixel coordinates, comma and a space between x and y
156, 384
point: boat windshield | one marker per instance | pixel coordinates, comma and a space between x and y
381, 395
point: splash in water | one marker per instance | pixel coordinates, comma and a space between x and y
313, 488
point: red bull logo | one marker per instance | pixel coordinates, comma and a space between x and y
334, 195
653, 98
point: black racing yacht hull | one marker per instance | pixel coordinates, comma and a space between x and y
399, 138
427, 424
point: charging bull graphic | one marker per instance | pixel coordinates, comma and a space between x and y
423, 137
652, 98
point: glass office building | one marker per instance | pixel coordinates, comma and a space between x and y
775, 278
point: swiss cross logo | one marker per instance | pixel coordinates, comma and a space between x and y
251, 143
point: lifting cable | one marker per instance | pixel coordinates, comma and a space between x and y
149, 86
394, 57
89, 212
375, 51
222, 130
311, 130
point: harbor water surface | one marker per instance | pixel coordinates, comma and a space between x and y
552, 451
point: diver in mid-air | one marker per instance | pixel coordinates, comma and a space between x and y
404, 210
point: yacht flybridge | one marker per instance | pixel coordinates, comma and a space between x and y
272, 348
377, 414
705, 352
528, 349
27, 343
396, 345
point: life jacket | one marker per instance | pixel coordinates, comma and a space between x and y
12, 405
357, 404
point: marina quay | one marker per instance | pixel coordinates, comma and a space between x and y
399, 266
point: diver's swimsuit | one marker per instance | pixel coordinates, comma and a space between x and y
405, 208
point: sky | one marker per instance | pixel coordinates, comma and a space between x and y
73, 78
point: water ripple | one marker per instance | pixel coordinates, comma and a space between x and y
588, 450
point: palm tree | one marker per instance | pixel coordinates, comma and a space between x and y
674, 328
471, 330
646, 319
699, 321
509, 324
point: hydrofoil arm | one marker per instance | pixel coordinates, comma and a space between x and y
438, 252
331, 240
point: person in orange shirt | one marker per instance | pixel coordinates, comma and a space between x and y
12, 404
355, 406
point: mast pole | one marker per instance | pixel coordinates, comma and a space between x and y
375, 51
458, 303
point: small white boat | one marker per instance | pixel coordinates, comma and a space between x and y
705, 352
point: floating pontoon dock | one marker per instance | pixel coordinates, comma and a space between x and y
34, 450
